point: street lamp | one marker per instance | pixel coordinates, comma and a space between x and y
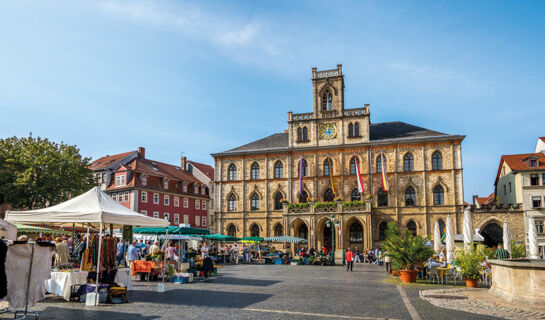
331, 224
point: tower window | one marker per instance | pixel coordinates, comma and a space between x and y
304, 167
299, 134
255, 201
437, 161
327, 167
305, 134
278, 169
232, 202
350, 130
278, 201
410, 198
232, 172
254, 171
380, 164
327, 101
382, 198
353, 164
408, 162
356, 129
438, 195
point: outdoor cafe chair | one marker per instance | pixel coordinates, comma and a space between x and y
451, 273
433, 273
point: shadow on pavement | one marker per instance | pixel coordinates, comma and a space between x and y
244, 282
61, 313
204, 298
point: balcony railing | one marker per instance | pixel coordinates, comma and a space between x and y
302, 116
327, 207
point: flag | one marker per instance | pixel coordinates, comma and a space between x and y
360, 181
331, 175
301, 175
385, 185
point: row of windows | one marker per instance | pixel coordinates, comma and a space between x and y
199, 220
408, 165
382, 198
121, 180
536, 202
121, 196
166, 200
534, 180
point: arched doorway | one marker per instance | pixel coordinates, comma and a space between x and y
303, 231
353, 236
492, 234
327, 237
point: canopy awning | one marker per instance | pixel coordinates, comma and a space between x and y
252, 239
94, 206
220, 237
172, 230
285, 239
23, 228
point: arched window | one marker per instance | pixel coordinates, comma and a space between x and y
382, 198
437, 161
408, 162
356, 129
350, 130
328, 166
380, 164
303, 165
382, 230
442, 227
410, 197
254, 201
232, 202
327, 101
299, 134
303, 231
303, 197
353, 164
355, 196
254, 230
278, 200
232, 172
438, 195
254, 171
411, 225
328, 195
278, 170
305, 134
356, 233
232, 231
278, 230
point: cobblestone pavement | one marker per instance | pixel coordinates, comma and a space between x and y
457, 299
266, 292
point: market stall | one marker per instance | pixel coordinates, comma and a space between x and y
24, 229
93, 208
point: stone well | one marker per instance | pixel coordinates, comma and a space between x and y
519, 281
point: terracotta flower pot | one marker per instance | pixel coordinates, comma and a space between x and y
408, 276
395, 273
472, 283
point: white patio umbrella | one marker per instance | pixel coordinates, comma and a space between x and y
449, 240
436, 237
468, 229
506, 237
532, 239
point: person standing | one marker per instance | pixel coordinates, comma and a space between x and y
349, 260
205, 251
154, 249
120, 252
388, 262
134, 253
501, 253
357, 256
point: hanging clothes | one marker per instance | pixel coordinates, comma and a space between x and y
18, 261
3, 282
61, 254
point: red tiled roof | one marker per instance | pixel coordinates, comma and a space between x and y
542, 139
104, 162
161, 169
519, 162
486, 200
204, 168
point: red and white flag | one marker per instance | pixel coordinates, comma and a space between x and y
360, 181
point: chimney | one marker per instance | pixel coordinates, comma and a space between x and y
142, 152
184, 163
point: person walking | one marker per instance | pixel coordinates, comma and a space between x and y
357, 256
388, 262
134, 253
501, 253
349, 260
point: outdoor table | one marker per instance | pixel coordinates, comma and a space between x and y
442, 272
61, 282
123, 278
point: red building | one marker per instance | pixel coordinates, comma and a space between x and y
154, 188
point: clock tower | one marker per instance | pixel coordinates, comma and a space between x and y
329, 123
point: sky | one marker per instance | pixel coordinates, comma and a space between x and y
201, 77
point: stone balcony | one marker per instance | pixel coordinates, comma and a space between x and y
336, 207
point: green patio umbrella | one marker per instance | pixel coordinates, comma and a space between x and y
220, 237
252, 239
285, 239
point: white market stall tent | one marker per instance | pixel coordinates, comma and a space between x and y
91, 207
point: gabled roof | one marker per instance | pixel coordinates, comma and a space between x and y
518, 162
105, 162
204, 168
542, 139
378, 132
157, 168
486, 200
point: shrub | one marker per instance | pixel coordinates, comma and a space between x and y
470, 260
353, 203
518, 249
318, 205
298, 205
405, 249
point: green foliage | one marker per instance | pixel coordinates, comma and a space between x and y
489, 252
319, 205
348, 204
470, 260
339, 199
36, 172
518, 250
298, 205
369, 196
405, 249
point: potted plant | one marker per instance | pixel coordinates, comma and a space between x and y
470, 260
339, 200
406, 251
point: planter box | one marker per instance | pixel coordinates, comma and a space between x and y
408, 276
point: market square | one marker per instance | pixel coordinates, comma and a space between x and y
272, 160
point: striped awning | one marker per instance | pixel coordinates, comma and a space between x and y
285, 239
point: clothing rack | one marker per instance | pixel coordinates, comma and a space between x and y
26, 311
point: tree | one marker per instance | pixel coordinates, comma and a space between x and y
36, 172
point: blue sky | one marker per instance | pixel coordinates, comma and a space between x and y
202, 77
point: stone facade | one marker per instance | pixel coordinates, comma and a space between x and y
331, 139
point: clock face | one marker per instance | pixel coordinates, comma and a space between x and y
328, 131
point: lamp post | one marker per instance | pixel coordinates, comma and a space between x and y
331, 224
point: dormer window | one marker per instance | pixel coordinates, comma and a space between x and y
144, 180
121, 180
327, 101
533, 163
165, 185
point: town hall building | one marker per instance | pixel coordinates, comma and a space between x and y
257, 184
